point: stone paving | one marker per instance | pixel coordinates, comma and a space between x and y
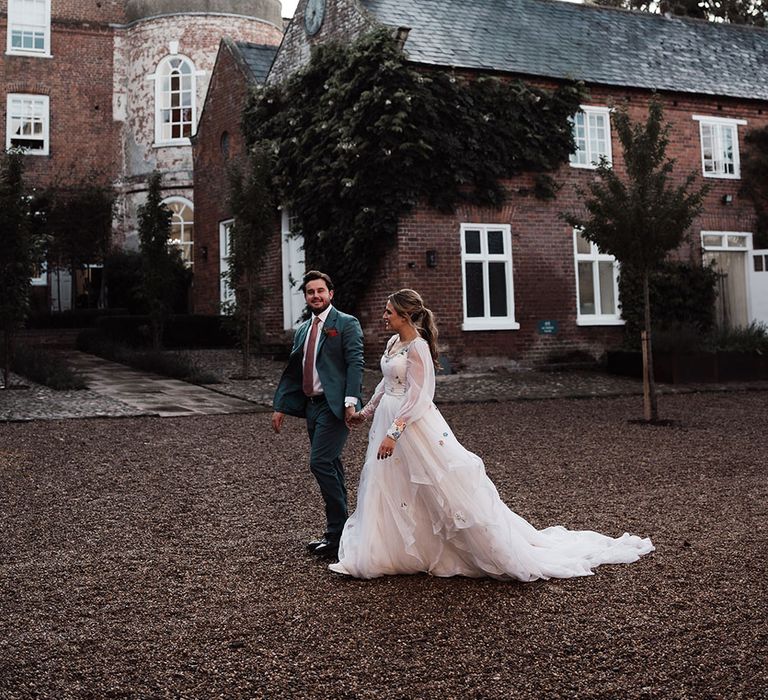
118, 391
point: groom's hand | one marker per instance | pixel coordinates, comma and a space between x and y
277, 421
349, 413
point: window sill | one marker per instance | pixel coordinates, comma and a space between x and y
585, 166
597, 321
721, 176
29, 54
27, 152
171, 144
484, 325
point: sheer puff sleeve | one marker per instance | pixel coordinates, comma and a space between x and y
370, 408
420, 378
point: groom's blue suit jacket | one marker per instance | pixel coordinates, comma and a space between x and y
339, 364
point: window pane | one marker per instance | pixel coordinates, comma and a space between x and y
472, 241
758, 263
496, 242
707, 148
583, 246
737, 241
710, 240
475, 303
727, 145
607, 301
497, 283
579, 157
586, 289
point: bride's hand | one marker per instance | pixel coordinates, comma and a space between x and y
386, 447
355, 419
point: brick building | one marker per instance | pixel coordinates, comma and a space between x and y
109, 91
517, 284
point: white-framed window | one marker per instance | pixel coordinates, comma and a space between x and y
40, 278
486, 266
726, 240
29, 27
592, 135
719, 146
226, 292
182, 226
597, 285
294, 268
175, 103
28, 123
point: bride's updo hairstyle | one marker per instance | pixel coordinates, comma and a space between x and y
409, 304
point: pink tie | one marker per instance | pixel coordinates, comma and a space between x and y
308, 382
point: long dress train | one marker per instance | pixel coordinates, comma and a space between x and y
431, 508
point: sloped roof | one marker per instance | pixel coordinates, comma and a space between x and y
258, 59
597, 45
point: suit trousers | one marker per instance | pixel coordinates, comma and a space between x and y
327, 436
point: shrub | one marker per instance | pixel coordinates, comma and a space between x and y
752, 338
682, 302
45, 367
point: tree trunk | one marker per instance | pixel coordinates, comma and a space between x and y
246, 326
650, 404
6, 358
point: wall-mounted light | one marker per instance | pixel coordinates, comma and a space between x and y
431, 258
727, 199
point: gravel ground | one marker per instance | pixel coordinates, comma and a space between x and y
164, 558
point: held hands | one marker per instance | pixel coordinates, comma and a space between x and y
386, 447
354, 418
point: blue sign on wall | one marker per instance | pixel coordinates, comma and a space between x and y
548, 327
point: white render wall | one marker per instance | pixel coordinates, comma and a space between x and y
138, 49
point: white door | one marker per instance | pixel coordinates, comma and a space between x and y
61, 290
730, 253
758, 284
293, 272
226, 293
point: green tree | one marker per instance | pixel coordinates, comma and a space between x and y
160, 260
754, 12
254, 224
754, 177
641, 216
16, 254
79, 226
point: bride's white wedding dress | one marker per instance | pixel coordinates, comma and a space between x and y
431, 508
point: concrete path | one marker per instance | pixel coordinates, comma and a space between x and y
151, 393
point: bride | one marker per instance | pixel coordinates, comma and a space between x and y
425, 504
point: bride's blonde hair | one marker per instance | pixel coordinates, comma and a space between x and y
409, 304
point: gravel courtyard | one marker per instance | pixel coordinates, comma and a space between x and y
164, 558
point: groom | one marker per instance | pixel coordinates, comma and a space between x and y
323, 383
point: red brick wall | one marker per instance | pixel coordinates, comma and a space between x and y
543, 266
78, 80
222, 113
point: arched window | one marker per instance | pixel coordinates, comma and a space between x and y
175, 110
182, 226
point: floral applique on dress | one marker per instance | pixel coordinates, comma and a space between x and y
397, 428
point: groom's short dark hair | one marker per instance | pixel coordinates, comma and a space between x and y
315, 275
